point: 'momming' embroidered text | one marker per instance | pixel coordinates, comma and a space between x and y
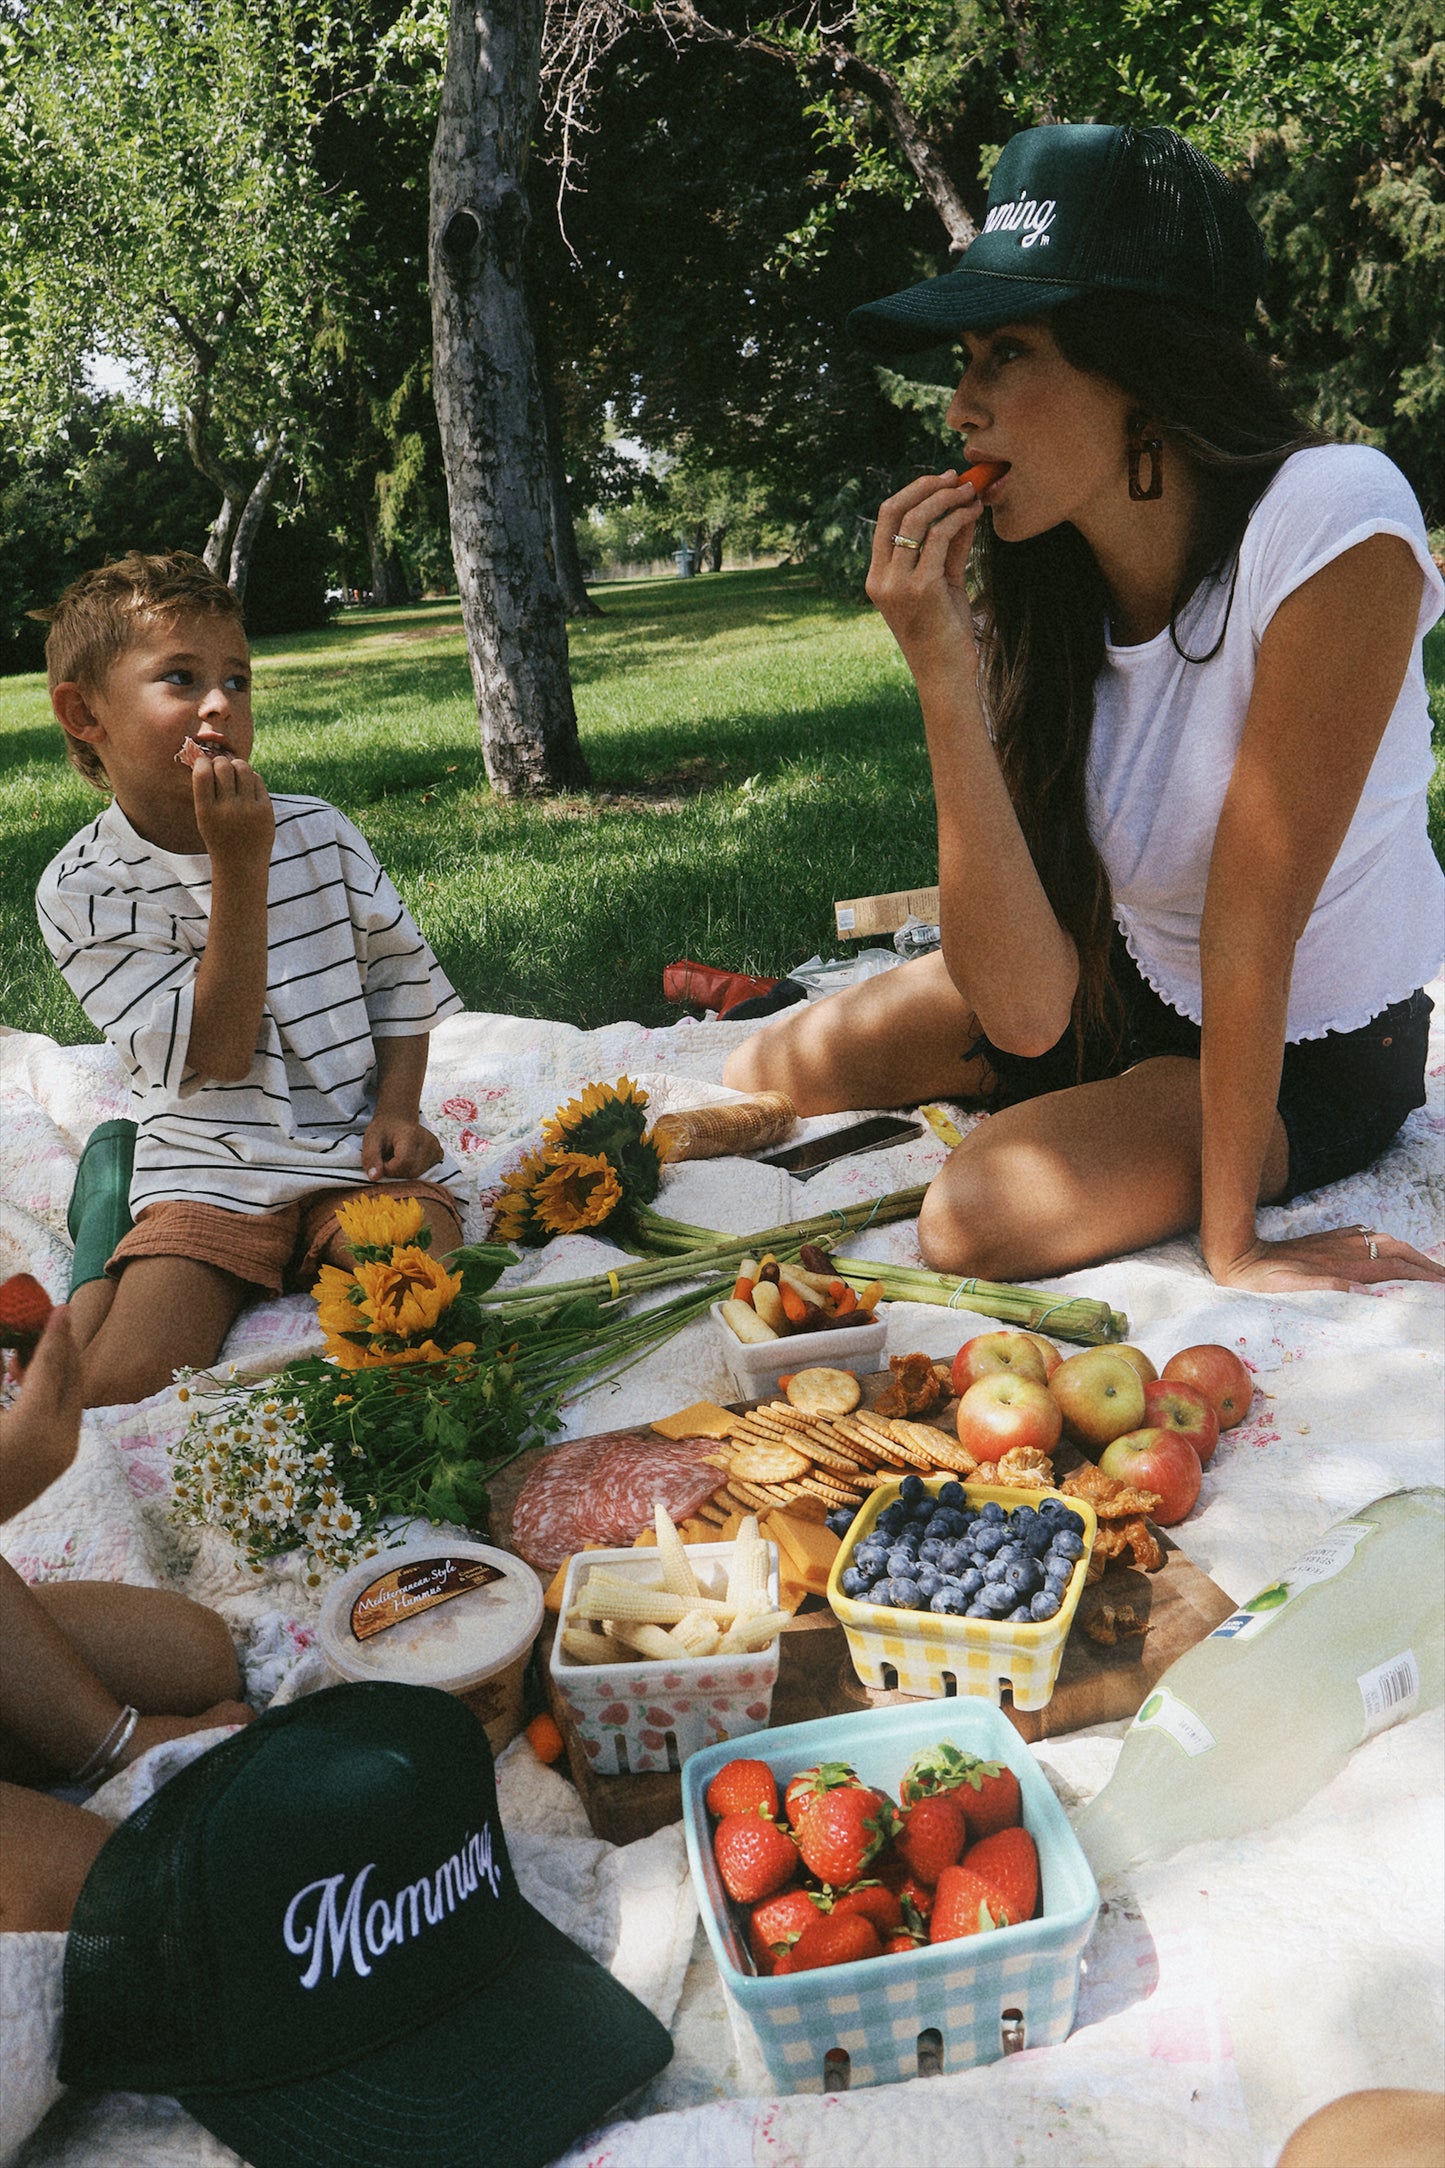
353, 1930
1033, 218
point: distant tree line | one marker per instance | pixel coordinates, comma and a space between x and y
232, 203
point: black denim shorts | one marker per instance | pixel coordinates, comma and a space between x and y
1341, 1098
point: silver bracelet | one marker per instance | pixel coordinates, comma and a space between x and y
103, 1762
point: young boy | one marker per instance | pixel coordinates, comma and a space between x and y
251, 964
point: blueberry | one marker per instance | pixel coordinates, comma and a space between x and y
989, 1538
929, 1584
953, 1558
891, 1519
1071, 1520
1020, 1615
1044, 1605
868, 1551
855, 1583
979, 1609
921, 1516
1040, 1536
881, 1592
948, 1523
931, 1550
994, 1571
910, 1490
1009, 1551
970, 1582
992, 1511
1051, 1506
954, 1495
996, 1597
840, 1521
1067, 1545
951, 1601
903, 1594
901, 1561
1024, 1577
1059, 1576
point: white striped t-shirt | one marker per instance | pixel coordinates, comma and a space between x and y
127, 924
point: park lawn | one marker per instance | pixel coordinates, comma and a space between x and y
756, 753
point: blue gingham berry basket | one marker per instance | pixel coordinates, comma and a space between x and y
1014, 1987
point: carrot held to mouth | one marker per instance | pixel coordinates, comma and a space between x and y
983, 472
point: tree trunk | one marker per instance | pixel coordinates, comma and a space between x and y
566, 557
218, 540
489, 400
388, 581
715, 547
249, 524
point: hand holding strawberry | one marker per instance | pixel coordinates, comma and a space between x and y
24, 1308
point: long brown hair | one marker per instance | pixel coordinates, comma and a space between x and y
1044, 606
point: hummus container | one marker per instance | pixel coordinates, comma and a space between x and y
441, 1611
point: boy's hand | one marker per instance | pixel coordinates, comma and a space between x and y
395, 1150
233, 812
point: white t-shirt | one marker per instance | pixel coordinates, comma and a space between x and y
1166, 733
127, 924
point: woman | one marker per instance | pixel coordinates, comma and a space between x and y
1179, 752
92, 1673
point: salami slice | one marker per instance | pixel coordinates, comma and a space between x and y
603, 1490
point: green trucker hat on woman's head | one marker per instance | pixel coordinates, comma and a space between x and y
313, 1939
1085, 209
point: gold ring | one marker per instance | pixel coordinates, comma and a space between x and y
903, 541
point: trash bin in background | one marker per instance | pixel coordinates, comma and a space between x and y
686, 562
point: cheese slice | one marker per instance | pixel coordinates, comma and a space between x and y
806, 1549
704, 1419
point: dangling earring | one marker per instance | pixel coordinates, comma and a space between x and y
1144, 437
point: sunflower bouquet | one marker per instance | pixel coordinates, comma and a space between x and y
598, 1163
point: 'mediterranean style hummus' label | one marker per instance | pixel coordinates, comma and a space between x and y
421, 1586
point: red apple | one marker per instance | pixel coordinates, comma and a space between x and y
1157, 1460
986, 1353
1175, 1404
1003, 1410
1221, 1374
1140, 1360
1101, 1395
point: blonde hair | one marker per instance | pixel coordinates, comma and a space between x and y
108, 610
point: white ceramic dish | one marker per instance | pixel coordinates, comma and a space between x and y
756, 1365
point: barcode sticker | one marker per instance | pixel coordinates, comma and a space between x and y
1390, 1691
847, 918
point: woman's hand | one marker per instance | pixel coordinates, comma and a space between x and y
916, 577
1336, 1257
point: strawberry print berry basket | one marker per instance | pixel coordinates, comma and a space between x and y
649, 1716
983, 1995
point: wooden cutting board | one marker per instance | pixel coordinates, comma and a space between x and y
1096, 1684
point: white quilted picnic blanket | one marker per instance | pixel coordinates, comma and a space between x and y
1226, 1994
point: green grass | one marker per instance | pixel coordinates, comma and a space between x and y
756, 750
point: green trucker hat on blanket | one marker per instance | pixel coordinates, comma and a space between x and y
1079, 209
313, 1939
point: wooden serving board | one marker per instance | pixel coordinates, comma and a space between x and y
816, 1678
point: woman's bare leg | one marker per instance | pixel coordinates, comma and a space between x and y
1079, 1175
168, 1313
46, 1851
154, 1647
887, 1043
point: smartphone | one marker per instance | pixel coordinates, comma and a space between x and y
815, 1153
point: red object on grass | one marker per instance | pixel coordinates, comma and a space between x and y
701, 986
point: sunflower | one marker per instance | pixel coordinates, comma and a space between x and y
578, 1190
607, 1118
407, 1294
338, 1301
371, 1222
515, 1218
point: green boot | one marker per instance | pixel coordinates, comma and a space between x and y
99, 1211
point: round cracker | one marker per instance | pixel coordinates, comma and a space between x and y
767, 1463
828, 1458
823, 1391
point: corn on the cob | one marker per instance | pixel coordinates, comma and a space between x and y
586, 1647
753, 1633
651, 1641
698, 1634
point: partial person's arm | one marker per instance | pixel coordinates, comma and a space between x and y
1330, 667
396, 1147
1006, 952
238, 826
41, 1427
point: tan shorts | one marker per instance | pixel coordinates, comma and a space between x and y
276, 1251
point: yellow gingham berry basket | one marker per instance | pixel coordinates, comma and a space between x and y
933, 1653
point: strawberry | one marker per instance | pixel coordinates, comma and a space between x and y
809, 1784
743, 1787
1009, 1862
933, 1836
24, 1307
989, 1796
834, 1939
935, 1769
895, 1874
965, 1905
870, 1901
841, 1832
754, 1857
902, 1943
777, 1923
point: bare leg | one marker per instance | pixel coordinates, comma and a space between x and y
162, 1651
1380, 2129
1078, 1175
168, 1313
90, 1307
42, 1428
46, 1851
887, 1043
